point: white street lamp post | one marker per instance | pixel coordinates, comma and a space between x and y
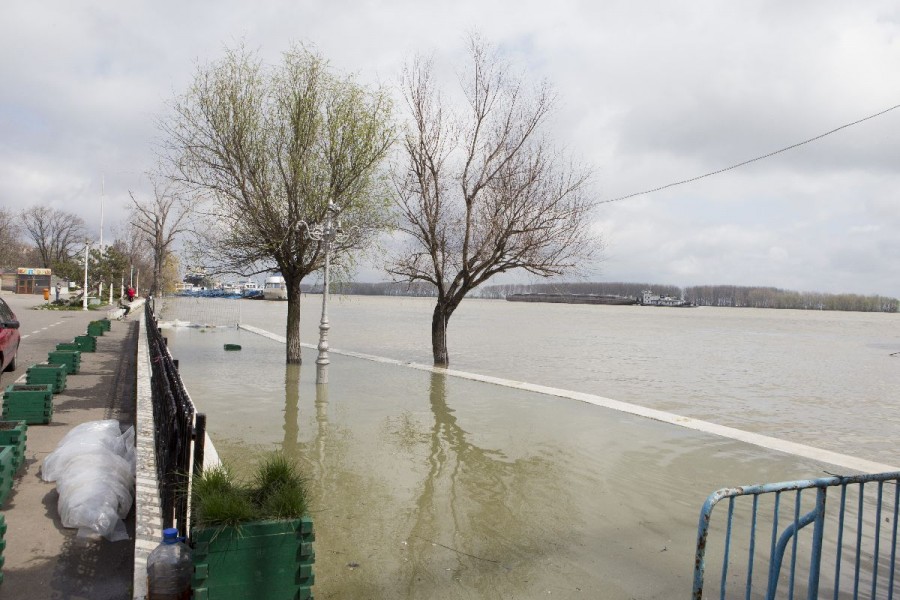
326, 233
84, 295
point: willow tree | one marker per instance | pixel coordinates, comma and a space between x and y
481, 190
269, 146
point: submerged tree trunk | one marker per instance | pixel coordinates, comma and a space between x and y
439, 321
293, 320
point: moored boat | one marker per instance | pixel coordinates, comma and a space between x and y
648, 298
230, 288
275, 288
250, 289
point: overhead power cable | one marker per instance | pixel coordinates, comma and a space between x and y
752, 160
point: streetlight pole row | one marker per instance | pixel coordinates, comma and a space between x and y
325, 233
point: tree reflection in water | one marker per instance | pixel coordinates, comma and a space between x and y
291, 445
291, 409
423, 509
472, 518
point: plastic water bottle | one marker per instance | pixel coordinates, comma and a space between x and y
169, 569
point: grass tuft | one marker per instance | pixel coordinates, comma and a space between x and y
287, 501
277, 491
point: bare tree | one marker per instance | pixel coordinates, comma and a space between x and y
11, 247
269, 147
159, 221
57, 234
138, 263
483, 191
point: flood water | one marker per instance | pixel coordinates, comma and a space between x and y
429, 486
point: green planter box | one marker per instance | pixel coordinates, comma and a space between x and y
32, 414
86, 343
8, 470
70, 358
53, 374
266, 559
106, 324
38, 394
26, 414
14, 434
68, 346
27, 402
39, 416
95, 329
58, 385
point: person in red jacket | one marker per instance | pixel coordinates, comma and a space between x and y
130, 293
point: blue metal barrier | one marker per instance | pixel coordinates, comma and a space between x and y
872, 571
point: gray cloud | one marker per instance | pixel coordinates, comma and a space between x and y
649, 93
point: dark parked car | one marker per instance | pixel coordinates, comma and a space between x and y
9, 338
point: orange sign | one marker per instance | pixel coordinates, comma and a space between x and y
29, 271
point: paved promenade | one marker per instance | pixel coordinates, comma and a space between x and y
43, 560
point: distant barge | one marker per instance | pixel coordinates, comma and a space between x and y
573, 298
648, 298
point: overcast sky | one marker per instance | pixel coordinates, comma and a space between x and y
650, 93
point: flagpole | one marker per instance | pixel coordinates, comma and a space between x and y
102, 192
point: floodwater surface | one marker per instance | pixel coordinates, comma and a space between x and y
826, 379
428, 486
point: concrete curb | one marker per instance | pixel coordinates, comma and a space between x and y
148, 516
148, 526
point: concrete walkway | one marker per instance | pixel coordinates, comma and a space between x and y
43, 560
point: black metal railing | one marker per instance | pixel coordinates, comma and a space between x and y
175, 429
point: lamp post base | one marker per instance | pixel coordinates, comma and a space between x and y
321, 373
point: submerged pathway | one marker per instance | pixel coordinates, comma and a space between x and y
763, 441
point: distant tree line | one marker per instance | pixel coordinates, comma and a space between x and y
353, 288
770, 297
701, 295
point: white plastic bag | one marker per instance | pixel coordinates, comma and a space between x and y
93, 434
93, 467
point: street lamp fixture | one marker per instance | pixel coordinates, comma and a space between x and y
326, 233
